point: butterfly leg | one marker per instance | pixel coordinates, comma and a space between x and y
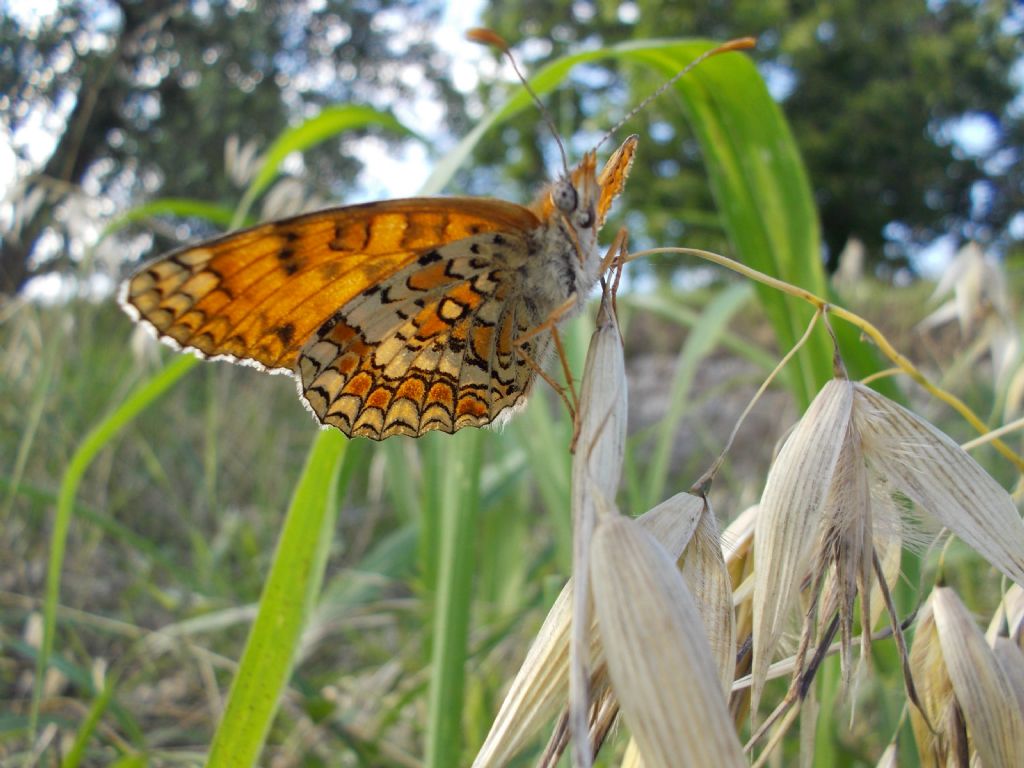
551, 324
618, 252
616, 258
564, 358
551, 382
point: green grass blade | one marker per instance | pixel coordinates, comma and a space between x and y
130, 761
288, 596
760, 185
95, 441
182, 207
404, 487
459, 502
99, 705
330, 122
428, 506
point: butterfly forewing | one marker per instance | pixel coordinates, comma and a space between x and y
613, 177
258, 295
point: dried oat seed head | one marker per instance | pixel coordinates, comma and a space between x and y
994, 721
705, 573
888, 758
540, 687
659, 661
1011, 661
596, 469
944, 482
600, 445
1008, 619
789, 519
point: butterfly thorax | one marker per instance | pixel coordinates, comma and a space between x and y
566, 261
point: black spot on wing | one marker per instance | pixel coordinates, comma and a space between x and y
286, 333
328, 325
290, 263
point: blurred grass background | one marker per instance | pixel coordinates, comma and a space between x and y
176, 521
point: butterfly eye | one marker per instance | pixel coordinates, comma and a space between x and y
563, 195
585, 219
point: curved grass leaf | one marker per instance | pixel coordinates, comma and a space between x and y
458, 500
97, 439
760, 187
754, 168
76, 753
328, 123
289, 592
182, 207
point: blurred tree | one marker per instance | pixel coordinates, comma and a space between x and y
878, 95
101, 95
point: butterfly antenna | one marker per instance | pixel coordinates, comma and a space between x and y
739, 44
491, 38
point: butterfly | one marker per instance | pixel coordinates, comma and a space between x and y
395, 317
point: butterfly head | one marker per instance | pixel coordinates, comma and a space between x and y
575, 196
584, 197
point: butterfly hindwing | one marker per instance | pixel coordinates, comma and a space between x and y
432, 347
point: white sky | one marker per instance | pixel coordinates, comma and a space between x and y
387, 175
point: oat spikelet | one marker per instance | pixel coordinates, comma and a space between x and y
966, 693
539, 689
596, 469
845, 549
705, 572
941, 479
828, 514
659, 660
789, 518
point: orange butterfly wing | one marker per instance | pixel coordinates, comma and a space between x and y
258, 295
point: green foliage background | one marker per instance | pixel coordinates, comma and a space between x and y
871, 90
